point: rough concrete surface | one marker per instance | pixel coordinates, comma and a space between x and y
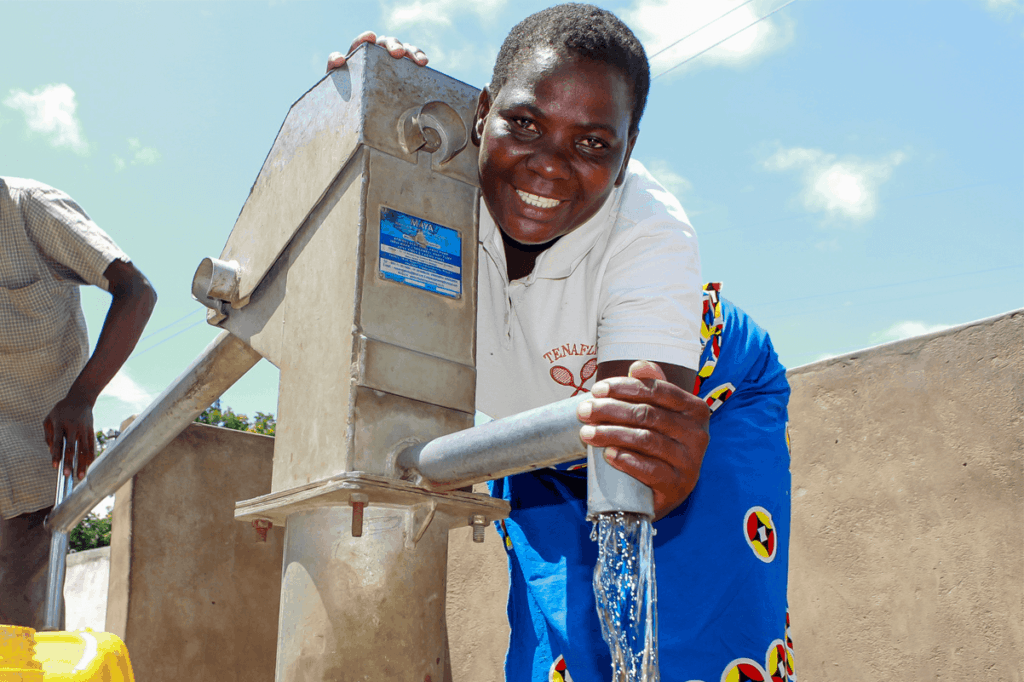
477, 595
908, 497
192, 593
85, 589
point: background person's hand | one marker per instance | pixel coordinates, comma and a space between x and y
393, 45
651, 429
69, 424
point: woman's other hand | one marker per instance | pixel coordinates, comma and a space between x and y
393, 45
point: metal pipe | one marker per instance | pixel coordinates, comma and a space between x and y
529, 440
223, 363
610, 490
57, 566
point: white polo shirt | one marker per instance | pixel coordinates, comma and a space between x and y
625, 285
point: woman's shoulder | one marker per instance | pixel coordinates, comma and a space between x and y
646, 208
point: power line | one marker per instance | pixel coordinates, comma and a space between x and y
688, 59
158, 343
184, 317
693, 33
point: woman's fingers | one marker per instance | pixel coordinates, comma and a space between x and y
395, 47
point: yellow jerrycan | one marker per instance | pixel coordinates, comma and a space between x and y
30, 656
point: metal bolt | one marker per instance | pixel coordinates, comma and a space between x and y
358, 502
261, 526
479, 523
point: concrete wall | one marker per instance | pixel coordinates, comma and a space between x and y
85, 589
907, 553
192, 593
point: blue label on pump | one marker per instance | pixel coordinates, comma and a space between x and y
419, 253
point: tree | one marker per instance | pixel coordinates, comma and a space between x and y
214, 415
92, 532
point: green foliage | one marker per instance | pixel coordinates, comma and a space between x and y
214, 415
92, 532
104, 439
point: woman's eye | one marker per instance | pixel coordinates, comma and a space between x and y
594, 143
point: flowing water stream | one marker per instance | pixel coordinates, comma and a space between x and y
626, 591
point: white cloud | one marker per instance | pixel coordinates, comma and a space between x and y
840, 188
145, 156
671, 180
905, 330
51, 110
420, 13
1004, 6
140, 156
431, 26
660, 23
125, 390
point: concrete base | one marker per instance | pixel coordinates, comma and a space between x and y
192, 593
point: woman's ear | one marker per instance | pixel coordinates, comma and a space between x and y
483, 106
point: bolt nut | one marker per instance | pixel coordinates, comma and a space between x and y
358, 502
479, 523
261, 526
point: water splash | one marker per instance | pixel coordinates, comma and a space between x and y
626, 592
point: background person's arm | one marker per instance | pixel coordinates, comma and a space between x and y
70, 420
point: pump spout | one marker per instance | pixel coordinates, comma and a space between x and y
529, 440
610, 490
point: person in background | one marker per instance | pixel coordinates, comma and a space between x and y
590, 281
48, 383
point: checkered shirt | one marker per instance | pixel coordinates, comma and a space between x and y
48, 248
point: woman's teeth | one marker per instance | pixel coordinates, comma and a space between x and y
539, 202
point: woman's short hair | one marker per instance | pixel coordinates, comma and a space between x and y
583, 30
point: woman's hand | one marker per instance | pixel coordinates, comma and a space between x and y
394, 46
650, 428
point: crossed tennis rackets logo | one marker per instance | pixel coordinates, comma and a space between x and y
565, 377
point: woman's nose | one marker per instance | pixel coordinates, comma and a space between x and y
550, 163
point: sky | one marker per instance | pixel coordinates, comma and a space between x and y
854, 169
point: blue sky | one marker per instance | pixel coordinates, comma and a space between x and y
853, 168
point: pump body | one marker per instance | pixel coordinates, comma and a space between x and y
352, 268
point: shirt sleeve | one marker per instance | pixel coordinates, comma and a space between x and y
76, 248
651, 293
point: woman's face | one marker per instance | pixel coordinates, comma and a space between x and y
554, 142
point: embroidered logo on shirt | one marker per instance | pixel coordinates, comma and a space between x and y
567, 349
565, 377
